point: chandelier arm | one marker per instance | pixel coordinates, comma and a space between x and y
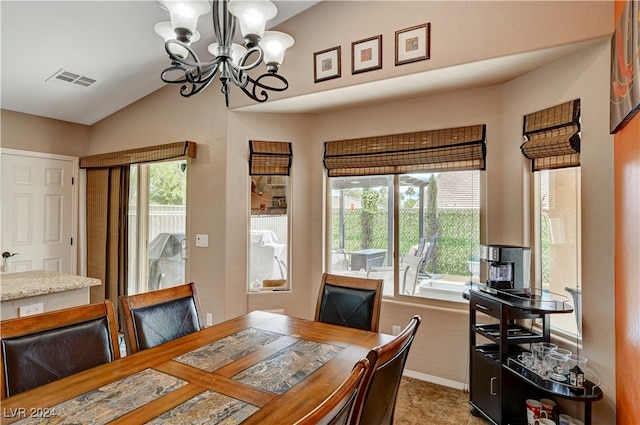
198, 75
184, 61
257, 84
175, 66
237, 76
241, 66
192, 82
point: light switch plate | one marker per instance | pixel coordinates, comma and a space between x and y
202, 240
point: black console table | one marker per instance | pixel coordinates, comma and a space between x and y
500, 384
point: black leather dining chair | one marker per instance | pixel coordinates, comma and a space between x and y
375, 405
42, 348
153, 318
337, 409
349, 301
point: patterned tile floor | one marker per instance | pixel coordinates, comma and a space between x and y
421, 403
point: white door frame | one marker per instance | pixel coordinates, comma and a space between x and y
74, 193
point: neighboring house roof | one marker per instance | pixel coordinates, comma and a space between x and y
459, 190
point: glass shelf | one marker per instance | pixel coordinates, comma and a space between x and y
591, 390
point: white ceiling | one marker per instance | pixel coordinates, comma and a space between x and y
114, 43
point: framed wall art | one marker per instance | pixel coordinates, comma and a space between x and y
625, 67
326, 64
366, 55
413, 44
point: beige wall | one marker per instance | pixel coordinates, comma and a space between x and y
461, 32
304, 216
33, 133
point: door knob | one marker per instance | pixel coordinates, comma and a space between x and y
5, 256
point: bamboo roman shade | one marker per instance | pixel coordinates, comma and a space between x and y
552, 137
167, 151
269, 158
451, 149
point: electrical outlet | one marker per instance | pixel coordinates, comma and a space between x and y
209, 319
395, 329
29, 310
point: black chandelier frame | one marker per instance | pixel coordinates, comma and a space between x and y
195, 76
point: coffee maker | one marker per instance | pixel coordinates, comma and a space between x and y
508, 267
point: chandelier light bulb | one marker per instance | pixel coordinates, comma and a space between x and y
185, 14
165, 30
274, 44
252, 15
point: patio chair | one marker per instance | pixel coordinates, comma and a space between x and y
409, 271
43, 348
428, 254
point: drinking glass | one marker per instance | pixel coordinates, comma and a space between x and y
526, 359
541, 365
563, 351
577, 360
559, 366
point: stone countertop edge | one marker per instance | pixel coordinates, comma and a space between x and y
32, 283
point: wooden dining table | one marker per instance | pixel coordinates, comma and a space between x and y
260, 368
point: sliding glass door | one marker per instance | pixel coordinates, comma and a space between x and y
157, 225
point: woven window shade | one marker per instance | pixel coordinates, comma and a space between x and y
552, 137
451, 149
269, 158
175, 150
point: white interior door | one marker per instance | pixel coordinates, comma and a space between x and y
38, 211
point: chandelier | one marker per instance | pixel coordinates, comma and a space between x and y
230, 61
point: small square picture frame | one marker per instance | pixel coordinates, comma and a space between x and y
366, 55
327, 64
413, 44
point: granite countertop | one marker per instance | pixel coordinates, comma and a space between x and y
39, 282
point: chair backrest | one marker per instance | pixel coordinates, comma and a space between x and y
153, 318
337, 409
428, 255
411, 266
375, 405
42, 348
349, 301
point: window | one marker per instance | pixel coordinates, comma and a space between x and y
269, 233
436, 223
157, 225
269, 167
558, 233
552, 143
405, 208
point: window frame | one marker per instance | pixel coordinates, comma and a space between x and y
537, 257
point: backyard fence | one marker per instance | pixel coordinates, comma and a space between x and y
458, 241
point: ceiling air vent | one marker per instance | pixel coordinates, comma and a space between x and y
69, 78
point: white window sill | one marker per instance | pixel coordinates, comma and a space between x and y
442, 291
